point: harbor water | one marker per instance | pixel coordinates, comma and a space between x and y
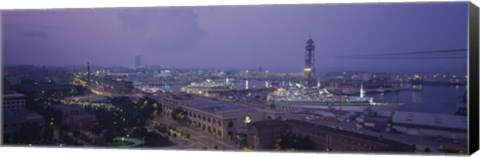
442, 99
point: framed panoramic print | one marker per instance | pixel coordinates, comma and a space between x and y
315, 78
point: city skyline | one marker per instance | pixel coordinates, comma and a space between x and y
269, 36
386, 78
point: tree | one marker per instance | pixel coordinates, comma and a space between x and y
27, 135
109, 135
306, 143
139, 132
151, 138
48, 133
427, 150
289, 141
76, 133
179, 115
154, 139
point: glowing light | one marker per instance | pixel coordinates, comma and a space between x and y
307, 69
247, 119
416, 77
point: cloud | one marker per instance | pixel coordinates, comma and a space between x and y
35, 34
162, 30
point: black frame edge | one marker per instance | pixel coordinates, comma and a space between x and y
473, 95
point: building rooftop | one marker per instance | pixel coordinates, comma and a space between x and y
33, 115
95, 99
12, 94
215, 107
65, 107
438, 121
348, 133
261, 124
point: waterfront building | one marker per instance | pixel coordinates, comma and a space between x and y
263, 135
430, 124
222, 120
115, 85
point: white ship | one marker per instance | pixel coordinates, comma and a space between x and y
323, 97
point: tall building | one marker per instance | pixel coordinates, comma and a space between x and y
137, 61
88, 73
309, 71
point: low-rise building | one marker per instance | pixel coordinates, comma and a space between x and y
14, 101
75, 116
263, 135
15, 115
111, 84
14, 120
429, 124
220, 119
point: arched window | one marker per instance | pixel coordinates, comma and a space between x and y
230, 124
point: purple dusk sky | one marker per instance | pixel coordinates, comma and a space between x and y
271, 36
